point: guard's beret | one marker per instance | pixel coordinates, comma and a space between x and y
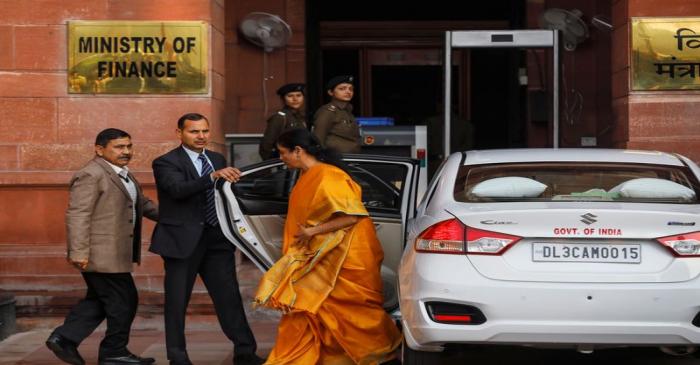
288, 88
332, 83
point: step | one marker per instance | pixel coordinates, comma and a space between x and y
45, 284
47, 303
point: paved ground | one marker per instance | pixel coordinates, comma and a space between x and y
205, 347
208, 346
522, 356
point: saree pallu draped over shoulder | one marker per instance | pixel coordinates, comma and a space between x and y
330, 290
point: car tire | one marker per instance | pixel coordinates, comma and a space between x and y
410, 356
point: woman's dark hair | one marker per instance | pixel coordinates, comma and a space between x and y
308, 142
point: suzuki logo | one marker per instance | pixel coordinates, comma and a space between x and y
589, 218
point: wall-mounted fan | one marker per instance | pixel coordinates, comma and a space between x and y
266, 30
269, 32
573, 29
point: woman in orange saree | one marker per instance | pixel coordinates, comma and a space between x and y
328, 281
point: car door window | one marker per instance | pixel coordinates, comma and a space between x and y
265, 191
383, 186
269, 183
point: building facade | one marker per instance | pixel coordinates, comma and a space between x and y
48, 133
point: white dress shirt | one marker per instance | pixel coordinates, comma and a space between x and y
194, 156
129, 185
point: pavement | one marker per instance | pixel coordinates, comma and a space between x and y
206, 343
208, 346
205, 346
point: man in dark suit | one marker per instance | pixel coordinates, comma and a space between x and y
103, 224
189, 238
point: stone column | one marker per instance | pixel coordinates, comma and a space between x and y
657, 120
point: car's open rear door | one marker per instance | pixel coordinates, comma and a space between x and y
253, 210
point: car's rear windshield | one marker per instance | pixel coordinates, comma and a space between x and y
566, 181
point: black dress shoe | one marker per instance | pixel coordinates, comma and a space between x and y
130, 359
247, 359
64, 349
146, 360
187, 362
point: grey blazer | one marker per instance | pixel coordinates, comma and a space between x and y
98, 219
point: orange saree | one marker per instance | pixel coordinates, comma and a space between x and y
331, 290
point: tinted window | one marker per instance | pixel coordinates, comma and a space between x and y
273, 183
576, 182
382, 185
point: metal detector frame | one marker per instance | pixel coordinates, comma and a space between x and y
501, 39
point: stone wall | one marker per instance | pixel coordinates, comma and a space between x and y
244, 64
659, 120
586, 70
48, 134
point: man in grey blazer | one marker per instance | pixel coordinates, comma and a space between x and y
103, 223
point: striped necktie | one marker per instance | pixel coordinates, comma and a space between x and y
209, 207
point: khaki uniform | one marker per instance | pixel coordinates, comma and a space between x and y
277, 124
336, 127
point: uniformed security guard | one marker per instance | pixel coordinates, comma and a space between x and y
334, 124
289, 117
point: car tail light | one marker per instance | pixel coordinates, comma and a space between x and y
444, 237
453, 313
459, 318
453, 237
481, 242
683, 245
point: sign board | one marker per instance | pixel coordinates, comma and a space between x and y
137, 57
665, 53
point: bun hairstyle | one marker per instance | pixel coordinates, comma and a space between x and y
308, 142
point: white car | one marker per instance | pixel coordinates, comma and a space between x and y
577, 248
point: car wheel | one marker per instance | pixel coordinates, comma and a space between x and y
415, 357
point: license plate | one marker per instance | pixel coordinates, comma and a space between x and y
587, 252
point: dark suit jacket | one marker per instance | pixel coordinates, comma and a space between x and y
181, 201
98, 219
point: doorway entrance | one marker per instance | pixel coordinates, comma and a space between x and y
396, 55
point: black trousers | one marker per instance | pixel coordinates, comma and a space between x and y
109, 296
214, 261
